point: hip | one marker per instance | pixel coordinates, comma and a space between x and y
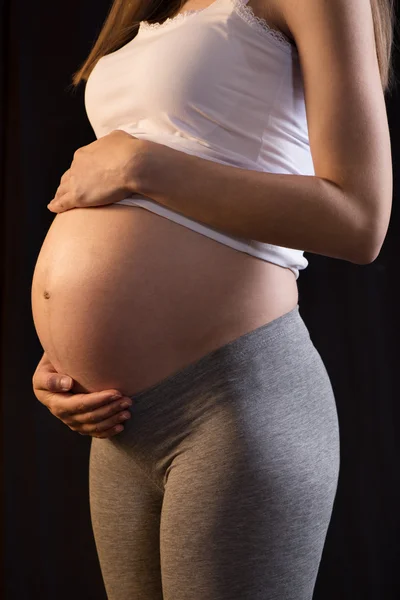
263, 401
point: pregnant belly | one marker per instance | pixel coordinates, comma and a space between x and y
122, 297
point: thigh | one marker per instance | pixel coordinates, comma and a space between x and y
247, 506
125, 507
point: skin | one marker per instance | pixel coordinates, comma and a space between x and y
94, 414
337, 134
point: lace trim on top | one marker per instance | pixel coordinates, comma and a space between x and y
244, 11
179, 17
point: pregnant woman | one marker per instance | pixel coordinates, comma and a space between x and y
230, 135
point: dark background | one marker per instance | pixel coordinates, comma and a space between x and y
351, 311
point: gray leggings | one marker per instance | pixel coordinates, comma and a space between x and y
221, 486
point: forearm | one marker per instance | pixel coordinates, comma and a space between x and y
302, 212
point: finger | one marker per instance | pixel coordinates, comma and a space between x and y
105, 413
105, 434
62, 189
66, 202
66, 176
95, 429
67, 405
50, 381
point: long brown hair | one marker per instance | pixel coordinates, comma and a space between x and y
123, 20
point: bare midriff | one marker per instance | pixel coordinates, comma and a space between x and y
122, 298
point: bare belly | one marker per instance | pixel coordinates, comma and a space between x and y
122, 298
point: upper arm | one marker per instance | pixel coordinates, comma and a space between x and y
345, 104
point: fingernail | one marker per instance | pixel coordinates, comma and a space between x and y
65, 383
126, 403
124, 416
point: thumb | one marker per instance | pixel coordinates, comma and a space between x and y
60, 383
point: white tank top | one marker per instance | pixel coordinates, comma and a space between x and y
217, 83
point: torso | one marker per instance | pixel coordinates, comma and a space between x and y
122, 297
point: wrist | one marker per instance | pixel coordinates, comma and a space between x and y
150, 161
135, 171
157, 168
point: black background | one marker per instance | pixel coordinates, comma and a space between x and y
351, 311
